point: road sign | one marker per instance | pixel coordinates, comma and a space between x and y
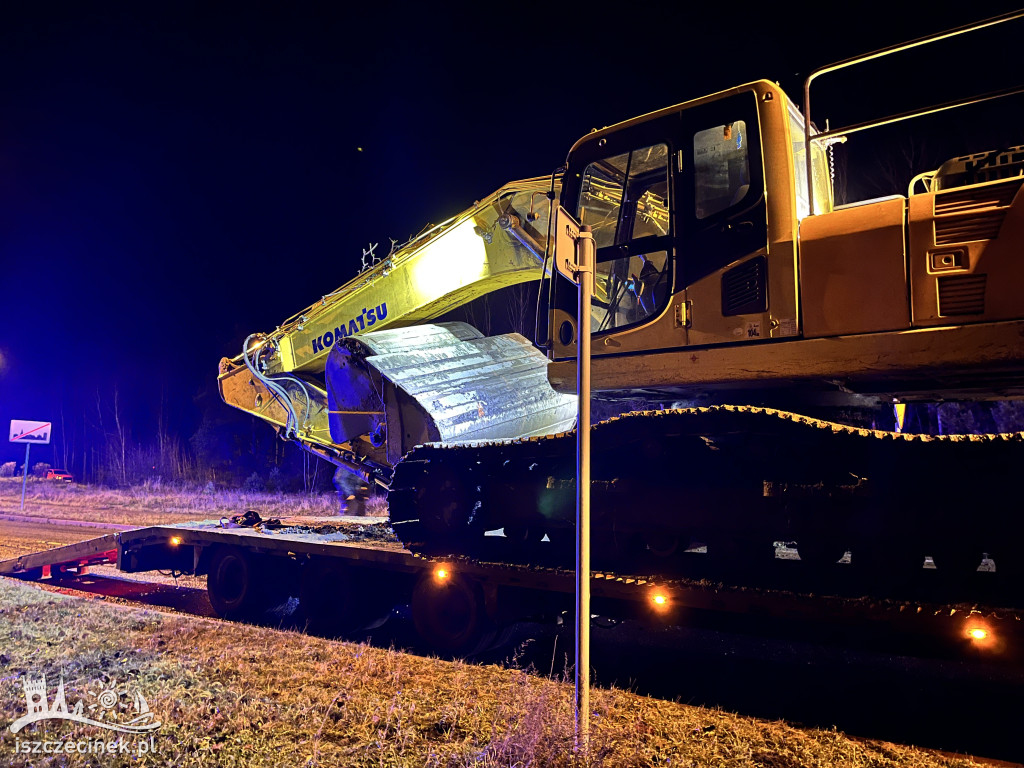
30, 432
567, 233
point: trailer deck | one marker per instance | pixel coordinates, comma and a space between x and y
132, 550
351, 553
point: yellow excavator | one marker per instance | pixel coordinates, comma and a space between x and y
359, 377
724, 273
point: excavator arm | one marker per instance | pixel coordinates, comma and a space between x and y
282, 376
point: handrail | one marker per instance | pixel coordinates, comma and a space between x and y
892, 118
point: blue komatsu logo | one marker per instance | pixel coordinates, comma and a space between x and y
361, 322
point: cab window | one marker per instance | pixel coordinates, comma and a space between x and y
721, 167
629, 289
625, 200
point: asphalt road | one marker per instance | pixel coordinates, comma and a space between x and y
19, 537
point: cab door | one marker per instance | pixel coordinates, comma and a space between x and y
677, 206
625, 199
623, 191
722, 222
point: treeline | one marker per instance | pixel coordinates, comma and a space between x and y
118, 435
113, 440
141, 426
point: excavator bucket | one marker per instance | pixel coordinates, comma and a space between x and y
443, 383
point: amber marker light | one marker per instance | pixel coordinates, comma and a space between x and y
175, 541
442, 574
659, 601
980, 634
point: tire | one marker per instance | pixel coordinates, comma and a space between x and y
334, 602
238, 585
450, 616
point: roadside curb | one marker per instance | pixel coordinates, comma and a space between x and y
59, 521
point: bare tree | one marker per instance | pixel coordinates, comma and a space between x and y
98, 467
116, 442
900, 162
64, 462
520, 307
478, 314
161, 428
122, 437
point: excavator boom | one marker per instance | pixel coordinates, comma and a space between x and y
281, 376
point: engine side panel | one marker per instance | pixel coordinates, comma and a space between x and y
853, 275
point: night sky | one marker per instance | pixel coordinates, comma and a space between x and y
174, 176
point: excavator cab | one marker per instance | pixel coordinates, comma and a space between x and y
695, 244
722, 275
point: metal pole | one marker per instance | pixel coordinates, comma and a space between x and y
585, 267
24, 479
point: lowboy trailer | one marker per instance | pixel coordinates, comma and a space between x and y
350, 575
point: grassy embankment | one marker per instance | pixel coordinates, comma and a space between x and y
237, 695
231, 694
153, 503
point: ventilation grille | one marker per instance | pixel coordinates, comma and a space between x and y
962, 295
744, 288
981, 166
975, 214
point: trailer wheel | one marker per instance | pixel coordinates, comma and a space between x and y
238, 589
449, 615
662, 543
334, 603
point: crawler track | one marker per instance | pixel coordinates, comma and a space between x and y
734, 479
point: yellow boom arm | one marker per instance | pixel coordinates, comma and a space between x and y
498, 242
